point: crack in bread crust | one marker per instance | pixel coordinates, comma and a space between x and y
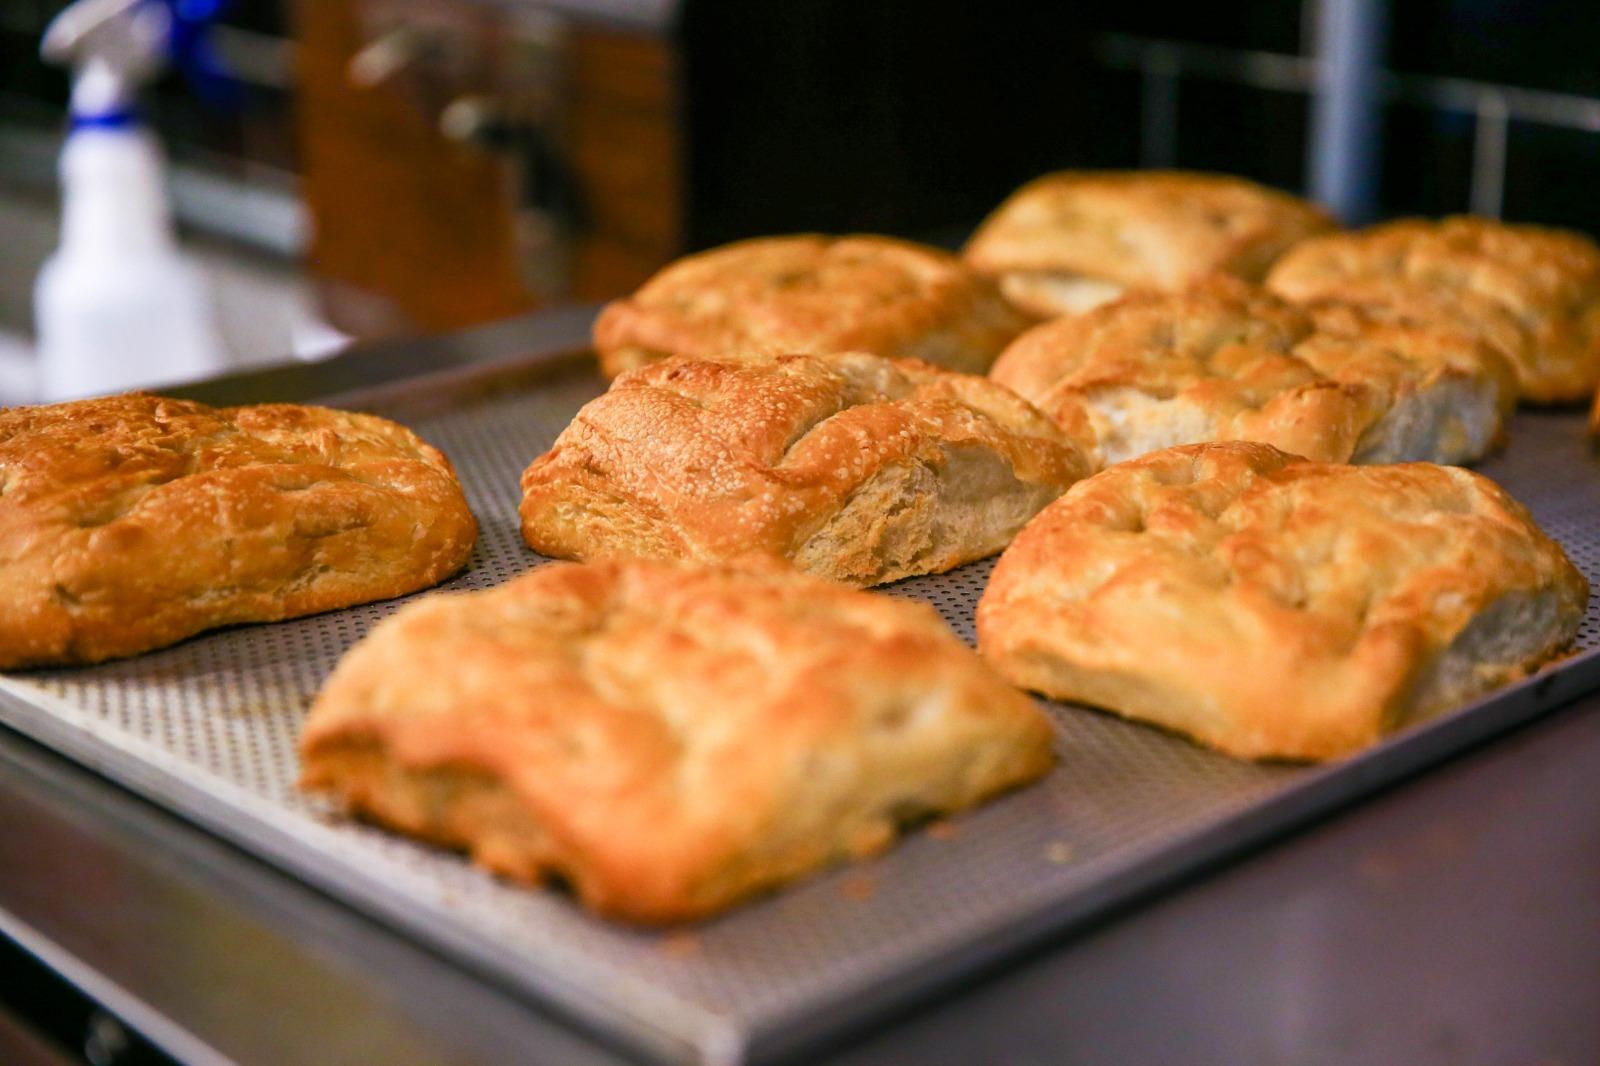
667, 740
1530, 292
811, 293
132, 522
1277, 608
854, 467
1224, 360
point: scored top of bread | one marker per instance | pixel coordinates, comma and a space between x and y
668, 739
1532, 292
850, 466
811, 293
1065, 242
131, 522
1277, 608
1224, 360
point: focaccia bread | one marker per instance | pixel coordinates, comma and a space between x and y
811, 293
1068, 242
132, 522
861, 469
1225, 360
1272, 607
1532, 293
666, 739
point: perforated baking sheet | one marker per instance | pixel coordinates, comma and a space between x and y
208, 729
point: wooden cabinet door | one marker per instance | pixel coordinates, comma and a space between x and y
412, 231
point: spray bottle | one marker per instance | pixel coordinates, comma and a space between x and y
116, 306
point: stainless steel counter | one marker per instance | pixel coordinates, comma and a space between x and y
1455, 919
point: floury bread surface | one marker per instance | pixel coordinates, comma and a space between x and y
811, 293
1273, 607
1068, 242
131, 522
1530, 292
666, 739
1225, 360
850, 466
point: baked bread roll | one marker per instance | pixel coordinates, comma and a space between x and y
811, 293
1227, 361
1272, 607
1068, 242
1532, 293
131, 522
665, 739
857, 468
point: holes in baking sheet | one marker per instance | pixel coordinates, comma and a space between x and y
224, 710
954, 595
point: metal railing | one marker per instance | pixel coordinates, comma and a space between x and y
1162, 64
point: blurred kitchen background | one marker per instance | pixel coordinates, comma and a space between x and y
387, 167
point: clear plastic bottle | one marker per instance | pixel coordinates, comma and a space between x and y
116, 306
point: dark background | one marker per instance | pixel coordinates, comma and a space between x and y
916, 117
977, 98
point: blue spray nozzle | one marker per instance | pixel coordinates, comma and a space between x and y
115, 46
191, 54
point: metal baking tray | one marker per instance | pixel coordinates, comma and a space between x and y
207, 729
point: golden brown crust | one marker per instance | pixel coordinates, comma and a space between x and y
850, 466
1277, 608
1225, 360
666, 739
131, 522
1533, 293
1138, 230
811, 293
